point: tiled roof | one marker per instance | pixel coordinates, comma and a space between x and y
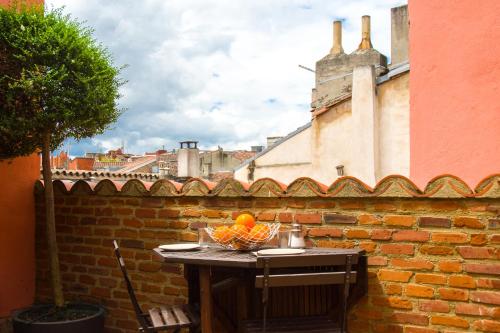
338, 100
242, 155
444, 186
85, 174
115, 164
138, 163
220, 175
398, 69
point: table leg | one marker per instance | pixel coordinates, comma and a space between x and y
206, 300
242, 310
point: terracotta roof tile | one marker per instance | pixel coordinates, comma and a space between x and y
83, 174
243, 155
444, 186
138, 163
267, 187
220, 175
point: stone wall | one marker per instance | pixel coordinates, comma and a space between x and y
432, 254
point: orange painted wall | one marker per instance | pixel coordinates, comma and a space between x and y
17, 233
17, 228
454, 89
7, 2
81, 163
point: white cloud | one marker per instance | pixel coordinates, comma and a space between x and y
222, 72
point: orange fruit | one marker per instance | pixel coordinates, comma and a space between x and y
239, 231
223, 234
246, 219
239, 246
259, 233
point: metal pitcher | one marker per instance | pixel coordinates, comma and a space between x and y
296, 238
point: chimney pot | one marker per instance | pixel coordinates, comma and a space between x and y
337, 38
188, 159
366, 42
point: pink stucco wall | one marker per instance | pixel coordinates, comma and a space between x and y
454, 89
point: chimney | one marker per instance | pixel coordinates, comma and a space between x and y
334, 71
188, 159
366, 42
257, 149
365, 146
271, 140
337, 38
399, 34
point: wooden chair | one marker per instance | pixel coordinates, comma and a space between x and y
310, 324
157, 319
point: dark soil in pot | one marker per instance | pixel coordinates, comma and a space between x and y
73, 318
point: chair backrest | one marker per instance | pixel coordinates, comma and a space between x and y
316, 259
343, 261
345, 276
138, 312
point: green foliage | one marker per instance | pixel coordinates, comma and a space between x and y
54, 78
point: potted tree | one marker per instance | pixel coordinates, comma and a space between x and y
56, 82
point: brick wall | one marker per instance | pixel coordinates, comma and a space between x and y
432, 255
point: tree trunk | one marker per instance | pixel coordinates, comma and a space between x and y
55, 272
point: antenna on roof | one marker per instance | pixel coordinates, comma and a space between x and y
307, 68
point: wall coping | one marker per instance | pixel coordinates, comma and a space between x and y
394, 186
82, 174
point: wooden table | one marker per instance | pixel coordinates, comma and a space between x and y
206, 259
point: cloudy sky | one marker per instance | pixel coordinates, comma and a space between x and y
222, 72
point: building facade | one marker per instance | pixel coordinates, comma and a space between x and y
360, 117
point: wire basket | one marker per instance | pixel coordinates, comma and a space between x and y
239, 238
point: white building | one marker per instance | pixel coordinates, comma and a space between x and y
360, 117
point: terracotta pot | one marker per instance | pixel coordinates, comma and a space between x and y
94, 323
